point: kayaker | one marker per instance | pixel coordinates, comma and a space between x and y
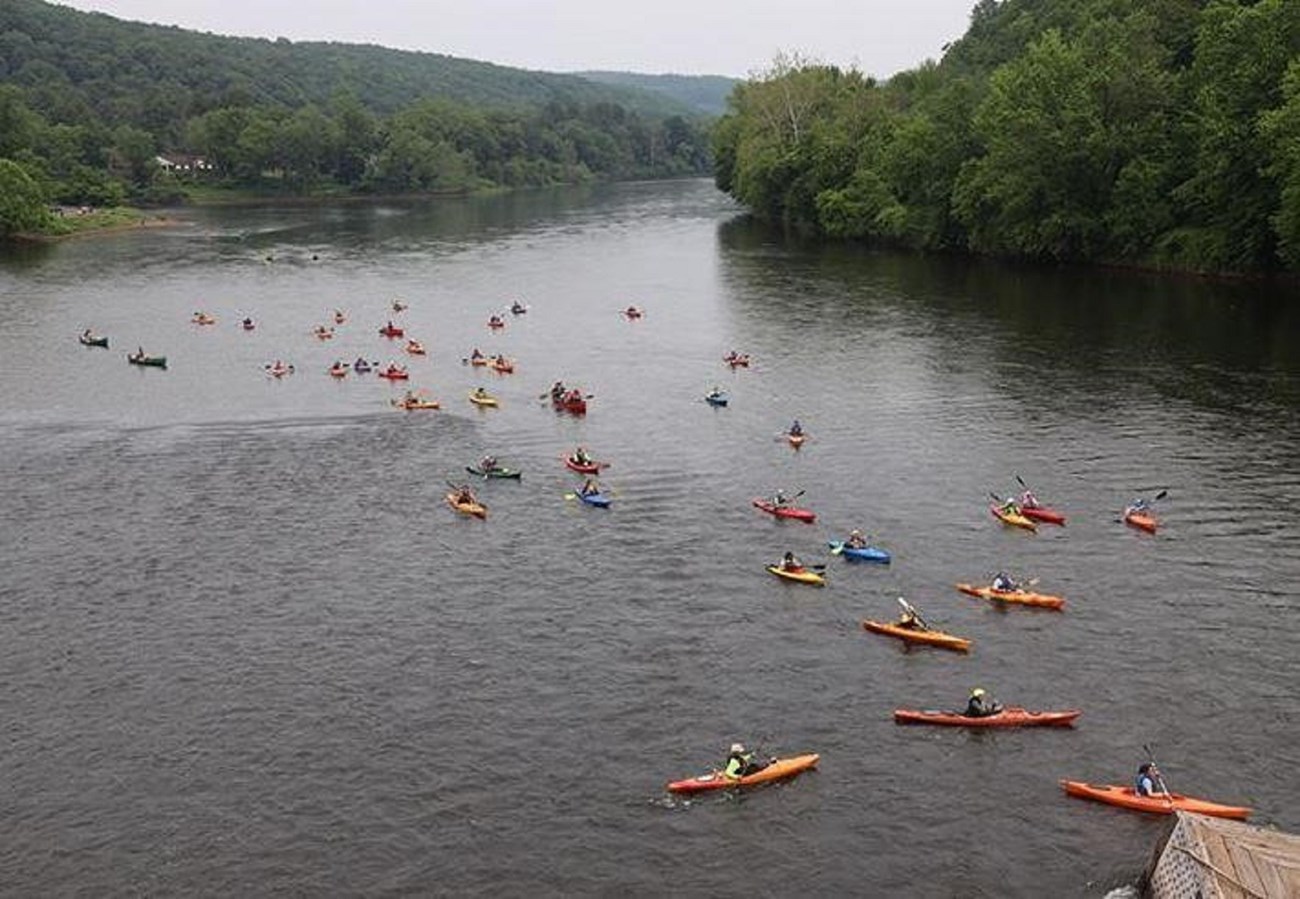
856, 540
1138, 506
741, 763
86, 334
1010, 507
480, 393
910, 620
557, 391
477, 354
581, 457
1028, 500
398, 306
1002, 582
590, 487
796, 429
1148, 781
488, 463
980, 705
790, 563
464, 495
780, 500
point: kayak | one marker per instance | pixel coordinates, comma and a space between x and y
576, 405
909, 635
392, 331
339, 371
1143, 520
861, 553
716, 399
1125, 797
799, 575
395, 374
503, 366
584, 467
479, 360
478, 510
805, 515
599, 500
796, 440
324, 334
716, 780
93, 341
339, 318
361, 367
201, 319
415, 348
1011, 518
1012, 716
734, 361
155, 361
1020, 597
410, 405
495, 323
1044, 514
633, 312
279, 372
494, 472
248, 325
484, 400
518, 310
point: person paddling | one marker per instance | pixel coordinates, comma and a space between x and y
981, 705
741, 763
790, 562
1003, 583
488, 463
1149, 782
856, 540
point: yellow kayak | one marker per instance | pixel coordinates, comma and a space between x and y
483, 399
798, 575
478, 510
1013, 518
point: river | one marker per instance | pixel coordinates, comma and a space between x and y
247, 649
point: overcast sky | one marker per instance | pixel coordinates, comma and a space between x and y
723, 37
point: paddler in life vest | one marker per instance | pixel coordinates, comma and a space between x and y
910, 620
1003, 583
741, 763
796, 429
1028, 500
790, 563
1149, 782
487, 463
1009, 507
980, 705
590, 487
856, 540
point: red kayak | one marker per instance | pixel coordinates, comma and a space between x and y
1012, 716
1126, 797
392, 331
716, 780
771, 508
1042, 513
584, 467
1142, 520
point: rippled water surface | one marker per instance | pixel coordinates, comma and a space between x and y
246, 648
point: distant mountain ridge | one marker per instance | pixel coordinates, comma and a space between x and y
703, 93
130, 67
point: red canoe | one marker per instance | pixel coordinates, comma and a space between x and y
1042, 513
1012, 716
576, 405
584, 467
393, 331
716, 780
1125, 797
806, 515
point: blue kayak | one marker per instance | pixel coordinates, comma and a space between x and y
716, 399
599, 500
860, 553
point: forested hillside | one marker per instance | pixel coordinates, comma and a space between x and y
702, 93
1157, 132
88, 103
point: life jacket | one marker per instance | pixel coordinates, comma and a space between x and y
738, 763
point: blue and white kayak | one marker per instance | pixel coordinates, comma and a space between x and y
716, 399
859, 553
599, 500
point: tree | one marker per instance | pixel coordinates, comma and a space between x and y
22, 202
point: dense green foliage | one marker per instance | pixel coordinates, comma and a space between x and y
88, 102
1162, 132
702, 93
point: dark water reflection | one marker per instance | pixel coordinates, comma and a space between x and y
247, 649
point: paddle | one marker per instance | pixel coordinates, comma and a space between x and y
911, 610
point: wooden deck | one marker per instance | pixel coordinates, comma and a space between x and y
1210, 858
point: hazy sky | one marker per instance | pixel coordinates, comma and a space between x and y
724, 37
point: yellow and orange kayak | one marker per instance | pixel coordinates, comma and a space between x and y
798, 575
1142, 520
716, 780
1013, 518
914, 635
478, 510
1019, 597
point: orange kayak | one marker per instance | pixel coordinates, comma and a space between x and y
478, 510
716, 780
1019, 597
796, 440
1142, 520
1125, 797
1013, 716
1012, 518
911, 635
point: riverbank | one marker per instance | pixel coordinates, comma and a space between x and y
89, 222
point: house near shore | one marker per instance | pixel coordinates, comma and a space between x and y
184, 164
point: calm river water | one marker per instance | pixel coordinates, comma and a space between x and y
246, 648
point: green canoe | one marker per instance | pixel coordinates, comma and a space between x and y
494, 472
156, 361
